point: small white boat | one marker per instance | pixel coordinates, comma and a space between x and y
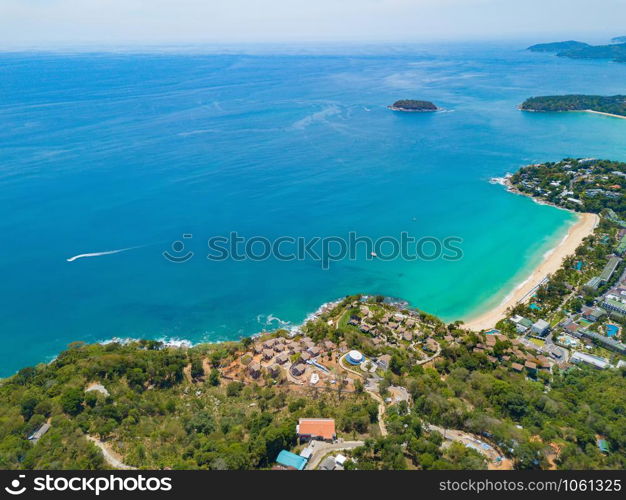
373, 254
315, 378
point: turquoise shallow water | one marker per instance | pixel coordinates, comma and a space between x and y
107, 151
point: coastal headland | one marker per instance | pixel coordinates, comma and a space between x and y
604, 105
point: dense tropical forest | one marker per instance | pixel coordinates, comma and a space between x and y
606, 104
170, 408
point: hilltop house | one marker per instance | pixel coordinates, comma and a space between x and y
383, 361
316, 428
254, 369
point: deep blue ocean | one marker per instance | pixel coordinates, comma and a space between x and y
100, 152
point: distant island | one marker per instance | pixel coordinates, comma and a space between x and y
619, 39
410, 105
558, 46
580, 50
610, 105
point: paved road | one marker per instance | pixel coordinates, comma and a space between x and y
381, 412
109, 456
321, 449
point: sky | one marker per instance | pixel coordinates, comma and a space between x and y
50, 23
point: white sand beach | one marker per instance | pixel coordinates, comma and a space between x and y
605, 114
550, 264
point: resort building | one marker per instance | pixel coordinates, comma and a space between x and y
593, 284
254, 369
609, 269
540, 327
298, 369
607, 342
521, 324
383, 361
530, 366
274, 371
614, 306
593, 313
355, 358
315, 351
589, 359
316, 428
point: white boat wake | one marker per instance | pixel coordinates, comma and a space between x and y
99, 254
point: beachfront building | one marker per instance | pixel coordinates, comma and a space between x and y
593, 284
522, 324
541, 327
316, 428
609, 269
590, 360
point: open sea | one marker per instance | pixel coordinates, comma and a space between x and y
109, 151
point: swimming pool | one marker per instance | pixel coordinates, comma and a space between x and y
611, 330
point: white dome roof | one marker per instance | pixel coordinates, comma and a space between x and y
355, 355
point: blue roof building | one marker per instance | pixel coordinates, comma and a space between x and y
288, 459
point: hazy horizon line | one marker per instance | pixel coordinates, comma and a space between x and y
169, 46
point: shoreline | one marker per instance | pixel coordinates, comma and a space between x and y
612, 115
406, 110
604, 114
551, 262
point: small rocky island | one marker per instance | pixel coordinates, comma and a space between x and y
413, 106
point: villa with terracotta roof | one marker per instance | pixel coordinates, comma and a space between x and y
316, 428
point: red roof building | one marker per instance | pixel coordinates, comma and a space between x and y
316, 428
